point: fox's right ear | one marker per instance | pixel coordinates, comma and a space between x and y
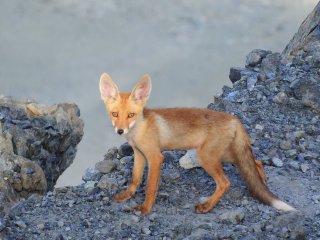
108, 89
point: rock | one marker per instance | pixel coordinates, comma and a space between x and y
251, 81
305, 43
146, 231
37, 143
294, 165
285, 145
233, 216
189, 160
307, 90
111, 154
21, 224
280, 98
106, 166
235, 74
2, 224
270, 65
304, 167
91, 174
277, 162
107, 182
89, 184
255, 57
293, 221
125, 150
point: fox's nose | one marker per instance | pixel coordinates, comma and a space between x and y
120, 131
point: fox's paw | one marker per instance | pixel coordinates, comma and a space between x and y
203, 207
141, 208
122, 196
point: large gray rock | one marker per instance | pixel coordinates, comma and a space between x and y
37, 143
305, 45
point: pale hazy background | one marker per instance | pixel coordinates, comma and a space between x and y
55, 50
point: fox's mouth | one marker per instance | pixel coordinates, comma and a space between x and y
124, 131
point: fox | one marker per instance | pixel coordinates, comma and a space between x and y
217, 137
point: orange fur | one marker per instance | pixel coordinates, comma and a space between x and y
218, 137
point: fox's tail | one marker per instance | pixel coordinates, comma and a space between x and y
248, 170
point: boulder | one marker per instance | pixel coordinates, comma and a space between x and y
37, 143
305, 45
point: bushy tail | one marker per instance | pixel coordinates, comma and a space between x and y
249, 172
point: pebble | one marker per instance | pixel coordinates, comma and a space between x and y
89, 184
233, 216
294, 165
189, 160
106, 166
107, 182
21, 224
146, 230
2, 224
259, 127
90, 174
304, 167
280, 98
277, 162
40, 226
285, 145
60, 223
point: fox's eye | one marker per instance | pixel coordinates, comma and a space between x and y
114, 114
130, 115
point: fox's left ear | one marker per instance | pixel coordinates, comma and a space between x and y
142, 90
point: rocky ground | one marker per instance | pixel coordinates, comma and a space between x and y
277, 97
284, 127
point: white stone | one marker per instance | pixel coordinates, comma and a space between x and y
189, 160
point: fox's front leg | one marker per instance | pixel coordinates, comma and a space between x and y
138, 167
155, 160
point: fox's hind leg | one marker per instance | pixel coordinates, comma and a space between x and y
260, 171
210, 161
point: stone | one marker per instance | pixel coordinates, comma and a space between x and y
293, 221
107, 182
304, 167
2, 224
270, 65
285, 145
307, 90
89, 184
251, 81
146, 231
106, 166
189, 160
21, 224
280, 98
125, 150
255, 57
111, 153
233, 216
277, 162
294, 165
91, 174
235, 74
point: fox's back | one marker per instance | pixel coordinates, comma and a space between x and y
186, 128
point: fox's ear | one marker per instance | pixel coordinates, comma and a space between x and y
108, 89
142, 90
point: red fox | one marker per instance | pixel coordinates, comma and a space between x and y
217, 137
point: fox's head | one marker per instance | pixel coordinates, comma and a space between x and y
124, 108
